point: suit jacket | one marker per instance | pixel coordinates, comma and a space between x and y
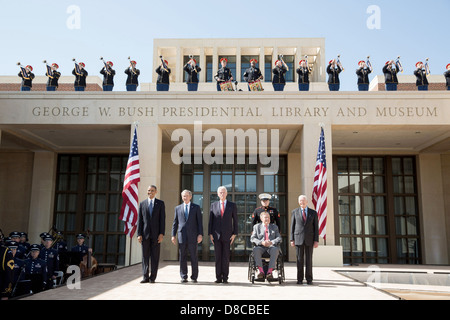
223, 226
258, 234
304, 233
151, 227
187, 231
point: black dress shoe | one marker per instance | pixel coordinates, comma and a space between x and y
225, 281
300, 282
144, 281
309, 283
152, 280
194, 280
184, 280
218, 281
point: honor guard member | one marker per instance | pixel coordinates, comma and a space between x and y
27, 79
51, 258
223, 74
61, 246
421, 77
53, 77
447, 77
278, 80
42, 236
18, 266
273, 212
80, 77
163, 81
192, 70
333, 71
6, 272
108, 76
81, 248
363, 76
253, 73
24, 241
36, 270
390, 76
21, 250
132, 76
303, 76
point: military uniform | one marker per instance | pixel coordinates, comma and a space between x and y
36, 271
421, 78
273, 212
80, 77
447, 77
52, 82
163, 80
303, 78
132, 78
252, 74
333, 77
390, 77
6, 272
192, 80
363, 77
223, 74
81, 249
108, 77
51, 257
27, 80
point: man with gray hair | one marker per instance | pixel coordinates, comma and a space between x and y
304, 237
188, 226
222, 230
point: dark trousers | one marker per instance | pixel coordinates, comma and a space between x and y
304, 258
422, 88
79, 88
51, 88
363, 87
193, 86
131, 87
108, 87
391, 87
278, 86
333, 86
222, 255
184, 248
23, 88
162, 87
303, 87
150, 252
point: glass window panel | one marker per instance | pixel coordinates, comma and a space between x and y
371, 247
397, 183
268, 68
369, 205
367, 166
215, 182
70, 222
61, 202
251, 203
64, 163
102, 184
240, 203
367, 184
396, 166
89, 221
357, 247
227, 168
111, 246
241, 222
92, 164
72, 203
101, 203
380, 204
113, 202
369, 225
91, 182
344, 224
59, 221
408, 166
186, 182
343, 186
411, 226
282, 165
239, 183
402, 248
227, 181
378, 165
251, 183
90, 201
251, 168
345, 243
198, 183
73, 182
114, 182
410, 205
354, 184
239, 168
356, 224
62, 182
97, 243
413, 248
100, 222
75, 164
116, 164
353, 165
113, 222
122, 242
342, 166
382, 247
355, 205
209, 69
280, 185
344, 205
198, 199
409, 184
102, 164
399, 208
379, 184
269, 183
381, 225
400, 227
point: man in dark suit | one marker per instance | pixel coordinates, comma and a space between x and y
222, 230
305, 237
151, 226
266, 238
188, 226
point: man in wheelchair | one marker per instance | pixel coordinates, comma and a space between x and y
267, 239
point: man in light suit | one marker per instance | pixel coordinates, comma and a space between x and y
222, 230
188, 226
305, 237
151, 227
267, 238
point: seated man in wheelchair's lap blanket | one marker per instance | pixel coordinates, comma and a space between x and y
267, 238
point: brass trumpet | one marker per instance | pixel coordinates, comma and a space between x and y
338, 62
280, 57
133, 69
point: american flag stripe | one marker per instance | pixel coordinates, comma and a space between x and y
130, 204
319, 194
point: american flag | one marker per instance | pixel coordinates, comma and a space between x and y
319, 194
130, 204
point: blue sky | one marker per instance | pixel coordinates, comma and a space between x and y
31, 31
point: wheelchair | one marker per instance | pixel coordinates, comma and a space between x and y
279, 267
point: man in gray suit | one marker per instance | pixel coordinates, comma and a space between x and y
304, 237
150, 231
267, 238
188, 226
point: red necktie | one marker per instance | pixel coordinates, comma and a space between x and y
303, 215
266, 237
222, 210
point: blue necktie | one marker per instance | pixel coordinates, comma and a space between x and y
186, 212
151, 208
